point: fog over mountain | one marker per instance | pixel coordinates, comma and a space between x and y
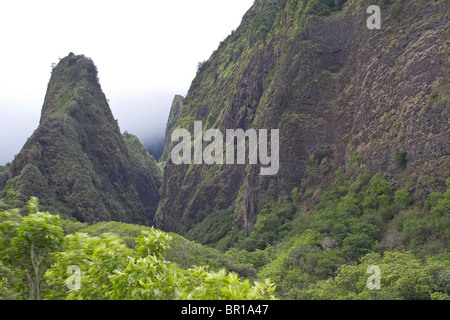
145, 51
145, 117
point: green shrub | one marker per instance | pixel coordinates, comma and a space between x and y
111, 271
403, 277
402, 198
272, 225
318, 7
400, 159
397, 8
440, 215
213, 228
417, 231
379, 186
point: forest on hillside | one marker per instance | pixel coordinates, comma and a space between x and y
326, 254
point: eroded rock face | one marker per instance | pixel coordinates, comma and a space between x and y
175, 111
343, 97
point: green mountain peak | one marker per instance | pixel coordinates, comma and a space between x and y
74, 80
78, 158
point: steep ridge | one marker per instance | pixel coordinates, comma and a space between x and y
344, 97
77, 162
175, 110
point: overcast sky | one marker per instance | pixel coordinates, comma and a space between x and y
145, 51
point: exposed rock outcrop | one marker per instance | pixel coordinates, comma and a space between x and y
343, 97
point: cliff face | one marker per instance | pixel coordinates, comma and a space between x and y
343, 97
174, 115
77, 162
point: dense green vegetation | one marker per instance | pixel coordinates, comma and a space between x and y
361, 221
213, 229
321, 254
403, 277
311, 254
38, 257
